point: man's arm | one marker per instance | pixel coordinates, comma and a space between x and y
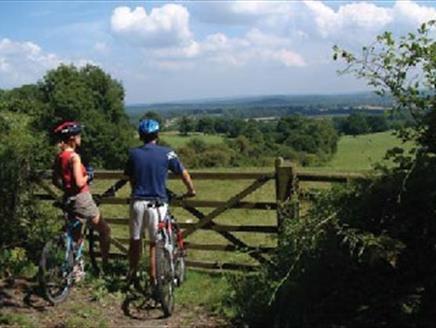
177, 167
186, 178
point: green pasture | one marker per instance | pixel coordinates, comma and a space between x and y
354, 154
361, 153
175, 140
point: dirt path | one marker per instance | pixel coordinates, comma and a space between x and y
20, 306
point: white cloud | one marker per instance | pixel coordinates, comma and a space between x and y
26, 62
413, 13
254, 48
362, 15
164, 36
165, 26
242, 12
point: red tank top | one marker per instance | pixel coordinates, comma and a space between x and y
67, 174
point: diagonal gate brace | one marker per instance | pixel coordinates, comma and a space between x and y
207, 220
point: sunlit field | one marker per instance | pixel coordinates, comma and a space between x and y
354, 154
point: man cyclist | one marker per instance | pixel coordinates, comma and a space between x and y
147, 169
70, 175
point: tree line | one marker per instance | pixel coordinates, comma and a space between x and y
255, 143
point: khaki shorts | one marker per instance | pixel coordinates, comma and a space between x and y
142, 217
84, 206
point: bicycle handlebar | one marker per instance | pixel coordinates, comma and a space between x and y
174, 196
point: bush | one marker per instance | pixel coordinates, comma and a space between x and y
359, 258
25, 222
188, 157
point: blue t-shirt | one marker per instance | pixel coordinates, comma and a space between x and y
148, 167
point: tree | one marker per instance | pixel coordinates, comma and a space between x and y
404, 69
90, 96
356, 124
377, 123
307, 135
206, 125
186, 125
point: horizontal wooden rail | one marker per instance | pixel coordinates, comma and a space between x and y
234, 228
199, 264
222, 266
213, 247
193, 203
113, 175
328, 177
227, 248
199, 203
216, 227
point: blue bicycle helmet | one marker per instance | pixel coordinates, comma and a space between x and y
148, 126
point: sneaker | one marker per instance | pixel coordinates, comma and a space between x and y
79, 271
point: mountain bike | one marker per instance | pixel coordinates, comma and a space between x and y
62, 263
170, 262
170, 267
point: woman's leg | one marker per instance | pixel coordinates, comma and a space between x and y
104, 232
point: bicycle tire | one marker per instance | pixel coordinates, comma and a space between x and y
55, 267
180, 270
179, 260
165, 279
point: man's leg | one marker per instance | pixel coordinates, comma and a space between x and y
135, 250
136, 227
153, 263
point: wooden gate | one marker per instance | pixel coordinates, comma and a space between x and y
286, 184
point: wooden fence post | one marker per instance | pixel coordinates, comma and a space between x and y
286, 188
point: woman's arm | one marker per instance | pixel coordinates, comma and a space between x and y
80, 179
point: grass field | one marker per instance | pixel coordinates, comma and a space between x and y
354, 154
362, 152
175, 140
359, 153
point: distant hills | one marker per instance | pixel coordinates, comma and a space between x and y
269, 105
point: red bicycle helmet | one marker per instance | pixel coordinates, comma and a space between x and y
67, 129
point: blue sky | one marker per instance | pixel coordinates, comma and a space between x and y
164, 51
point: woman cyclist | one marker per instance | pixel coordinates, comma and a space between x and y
70, 175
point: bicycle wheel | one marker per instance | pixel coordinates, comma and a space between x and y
55, 269
180, 269
179, 260
165, 279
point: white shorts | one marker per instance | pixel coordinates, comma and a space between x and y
142, 216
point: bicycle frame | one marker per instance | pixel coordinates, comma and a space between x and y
73, 223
